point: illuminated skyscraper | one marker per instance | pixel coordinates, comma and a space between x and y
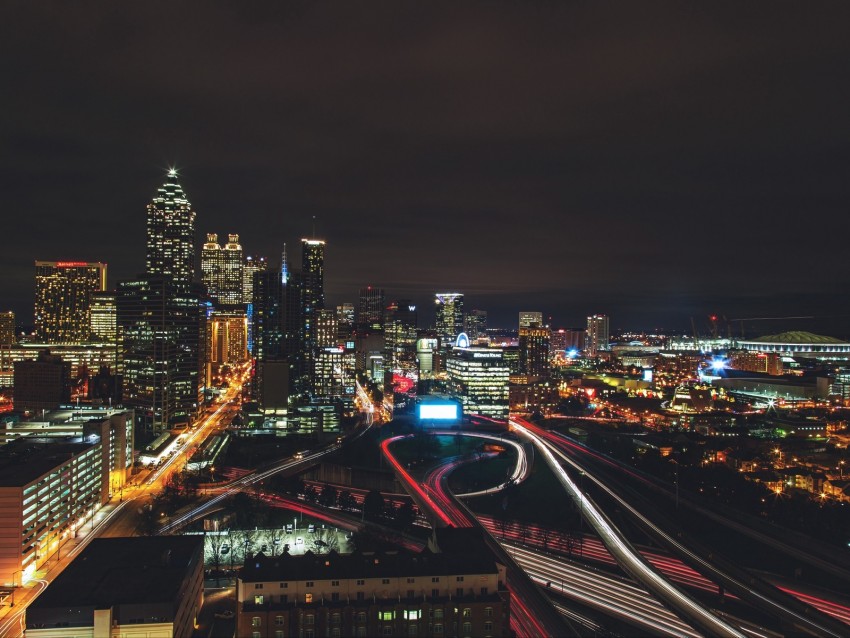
221, 270
326, 329
534, 350
171, 234
475, 324
312, 294
63, 291
479, 378
370, 311
449, 319
400, 332
161, 326
597, 335
7, 328
251, 266
528, 317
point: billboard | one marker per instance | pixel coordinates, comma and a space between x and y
438, 411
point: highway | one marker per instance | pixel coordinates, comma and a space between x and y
531, 612
809, 620
627, 557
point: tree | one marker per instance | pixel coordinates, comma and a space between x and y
346, 501
329, 496
544, 535
373, 505
405, 515
215, 541
504, 526
523, 532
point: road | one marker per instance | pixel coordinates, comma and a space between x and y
804, 617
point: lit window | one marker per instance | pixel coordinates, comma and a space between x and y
255, 621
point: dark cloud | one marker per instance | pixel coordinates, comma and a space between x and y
647, 160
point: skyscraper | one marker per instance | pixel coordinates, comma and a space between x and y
7, 328
171, 234
534, 350
449, 319
475, 324
63, 291
312, 294
597, 334
221, 270
400, 332
370, 310
252, 264
529, 317
161, 325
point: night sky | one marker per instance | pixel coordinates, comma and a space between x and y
649, 161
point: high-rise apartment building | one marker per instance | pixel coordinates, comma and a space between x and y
170, 250
529, 317
63, 291
221, 270
449, 316
345, 317
227, 334
597, 335
370, 310
476, 324
7, 329
534, 350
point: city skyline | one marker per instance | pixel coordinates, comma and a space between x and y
422, 130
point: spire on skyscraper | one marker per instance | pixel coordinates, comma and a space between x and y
284, 266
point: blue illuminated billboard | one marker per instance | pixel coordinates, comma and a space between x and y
438, 411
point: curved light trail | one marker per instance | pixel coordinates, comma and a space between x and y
549, 449
626, 556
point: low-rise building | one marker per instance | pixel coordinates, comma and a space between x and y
373, 594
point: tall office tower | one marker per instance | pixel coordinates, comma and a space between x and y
227, 339
275, 371
221, 270
449, 319
475, 324
400, 333
345, 322
63, 291
479, 378
312, 295
7, 328
597, 334
293, 335
104, 318
534, 350
171, 234
162, 326
326, 329
529, 317
370, 310
252, 265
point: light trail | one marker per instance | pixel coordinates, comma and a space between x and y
629, 559
551, 448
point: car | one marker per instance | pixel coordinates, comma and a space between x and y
224, 549
226, 614
288, 528
264, 548
299, 541
311, 529
298, 456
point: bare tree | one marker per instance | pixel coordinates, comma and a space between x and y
544, 535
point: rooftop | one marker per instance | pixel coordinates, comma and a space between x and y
796, 336
26, 459
365, 565
115, 571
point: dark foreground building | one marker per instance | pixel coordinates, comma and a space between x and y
119, 586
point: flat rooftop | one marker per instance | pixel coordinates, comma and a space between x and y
115, 571
26, 459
